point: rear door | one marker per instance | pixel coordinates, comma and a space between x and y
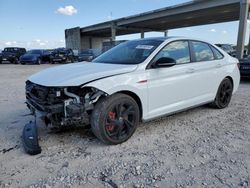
207, 68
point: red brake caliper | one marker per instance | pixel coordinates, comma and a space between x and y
110, 126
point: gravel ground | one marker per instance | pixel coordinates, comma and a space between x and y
202, 147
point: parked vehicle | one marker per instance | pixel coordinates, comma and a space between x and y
227, 48
63, 55
245, 67
34, 57
135, 81
12, 54
89, 55
107, 45
47, 55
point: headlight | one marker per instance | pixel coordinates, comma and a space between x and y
90, 58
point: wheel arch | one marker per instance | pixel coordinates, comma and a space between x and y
231, 79
135, 97
126, 92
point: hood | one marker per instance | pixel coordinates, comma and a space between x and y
29, 56
76, 74
85, 55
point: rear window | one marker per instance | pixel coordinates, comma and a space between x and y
217, 53
35, 52
202, 51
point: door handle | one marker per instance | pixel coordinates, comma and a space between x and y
190, 71
219, 65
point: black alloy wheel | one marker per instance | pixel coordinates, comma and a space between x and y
115, 119
224, 94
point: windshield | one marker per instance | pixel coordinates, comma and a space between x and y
59, 52
34, 52
86, 52
131, 52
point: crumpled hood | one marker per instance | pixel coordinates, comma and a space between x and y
76, 74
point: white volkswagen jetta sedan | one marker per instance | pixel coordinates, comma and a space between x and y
136, 81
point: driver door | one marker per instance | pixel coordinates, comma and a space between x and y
171, 88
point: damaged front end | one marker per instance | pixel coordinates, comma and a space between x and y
62, 106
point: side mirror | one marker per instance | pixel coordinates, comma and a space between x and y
164, 62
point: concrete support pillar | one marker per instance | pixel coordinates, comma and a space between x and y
113, 32
244, 8
248, 48
90, 42
166, 33
73, 38
142, 35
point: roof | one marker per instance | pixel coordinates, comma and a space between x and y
157, 38
193, 13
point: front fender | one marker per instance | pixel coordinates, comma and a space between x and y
126, 82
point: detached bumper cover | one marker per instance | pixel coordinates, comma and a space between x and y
30, 139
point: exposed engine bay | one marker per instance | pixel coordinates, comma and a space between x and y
62, 106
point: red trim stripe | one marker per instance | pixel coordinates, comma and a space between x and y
142, 81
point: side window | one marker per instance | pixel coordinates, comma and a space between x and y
202, 51
217, 53
178, 50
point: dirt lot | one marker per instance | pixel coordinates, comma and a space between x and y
202, 147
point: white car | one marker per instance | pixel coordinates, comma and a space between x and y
136, 81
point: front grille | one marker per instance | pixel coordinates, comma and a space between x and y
44, 95
43, 98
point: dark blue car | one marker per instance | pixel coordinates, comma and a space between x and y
245, 67
33, 57
11, 54
89, 55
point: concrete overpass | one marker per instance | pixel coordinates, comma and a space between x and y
193, 13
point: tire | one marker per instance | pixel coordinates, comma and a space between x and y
108, 126
224, 94
39, 61
15, 61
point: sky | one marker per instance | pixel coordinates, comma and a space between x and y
41, 23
